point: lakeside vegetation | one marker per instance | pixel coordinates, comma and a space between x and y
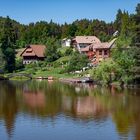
123, 66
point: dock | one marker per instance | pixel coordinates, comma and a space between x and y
76, 80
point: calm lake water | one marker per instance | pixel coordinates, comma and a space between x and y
41, 110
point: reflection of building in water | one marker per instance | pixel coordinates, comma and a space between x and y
67, 103
90, 106
77, 89
84, 107
87, 87
34, 99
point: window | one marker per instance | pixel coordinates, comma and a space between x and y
100, 52
105, 52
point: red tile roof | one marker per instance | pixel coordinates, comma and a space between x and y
34, 50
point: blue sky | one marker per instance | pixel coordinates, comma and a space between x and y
60, 11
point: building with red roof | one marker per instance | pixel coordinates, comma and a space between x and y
33, 53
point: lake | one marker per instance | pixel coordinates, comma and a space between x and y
42, 110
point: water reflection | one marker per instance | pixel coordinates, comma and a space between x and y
79, 103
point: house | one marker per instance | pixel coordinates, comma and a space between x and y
33, 54
97, 52
66, 42
81, 42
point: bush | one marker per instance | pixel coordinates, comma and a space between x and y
104, 71
68, 51
77, 62
19, 64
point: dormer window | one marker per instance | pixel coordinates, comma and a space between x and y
29, 50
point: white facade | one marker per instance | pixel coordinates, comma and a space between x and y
29, 61
66, 42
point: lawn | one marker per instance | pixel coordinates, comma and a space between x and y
54, 72
50, 71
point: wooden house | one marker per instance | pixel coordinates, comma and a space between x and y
33, 54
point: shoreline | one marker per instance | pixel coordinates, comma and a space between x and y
73, 81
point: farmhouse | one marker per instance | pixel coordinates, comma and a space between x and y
33, 54
93, 47
97, 52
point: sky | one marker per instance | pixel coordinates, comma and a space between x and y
61, 11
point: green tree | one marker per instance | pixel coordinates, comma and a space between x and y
104, 70
118, 21
19, 64
123, 55
136, 43
77, 62
136, 38
124, 24
8, 45
136, 68
52, 52
68, 51
2, 62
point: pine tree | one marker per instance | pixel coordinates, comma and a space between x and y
136, 42
118, 21
136, 39
2, 62
124, 24
8, 45
51, 51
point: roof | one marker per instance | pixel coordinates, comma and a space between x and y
111, 43
100, 45
19, 52
87, 39
34, 50
104, 45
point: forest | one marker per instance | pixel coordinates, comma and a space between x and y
125, 61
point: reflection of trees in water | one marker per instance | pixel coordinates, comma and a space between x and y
8, 105
127, 116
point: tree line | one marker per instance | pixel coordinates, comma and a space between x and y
39, 32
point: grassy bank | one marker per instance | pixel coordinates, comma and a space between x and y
38, 72
54, 72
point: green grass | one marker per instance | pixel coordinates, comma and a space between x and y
19, 78
63, 59
50, 71
63, 49
54, 72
